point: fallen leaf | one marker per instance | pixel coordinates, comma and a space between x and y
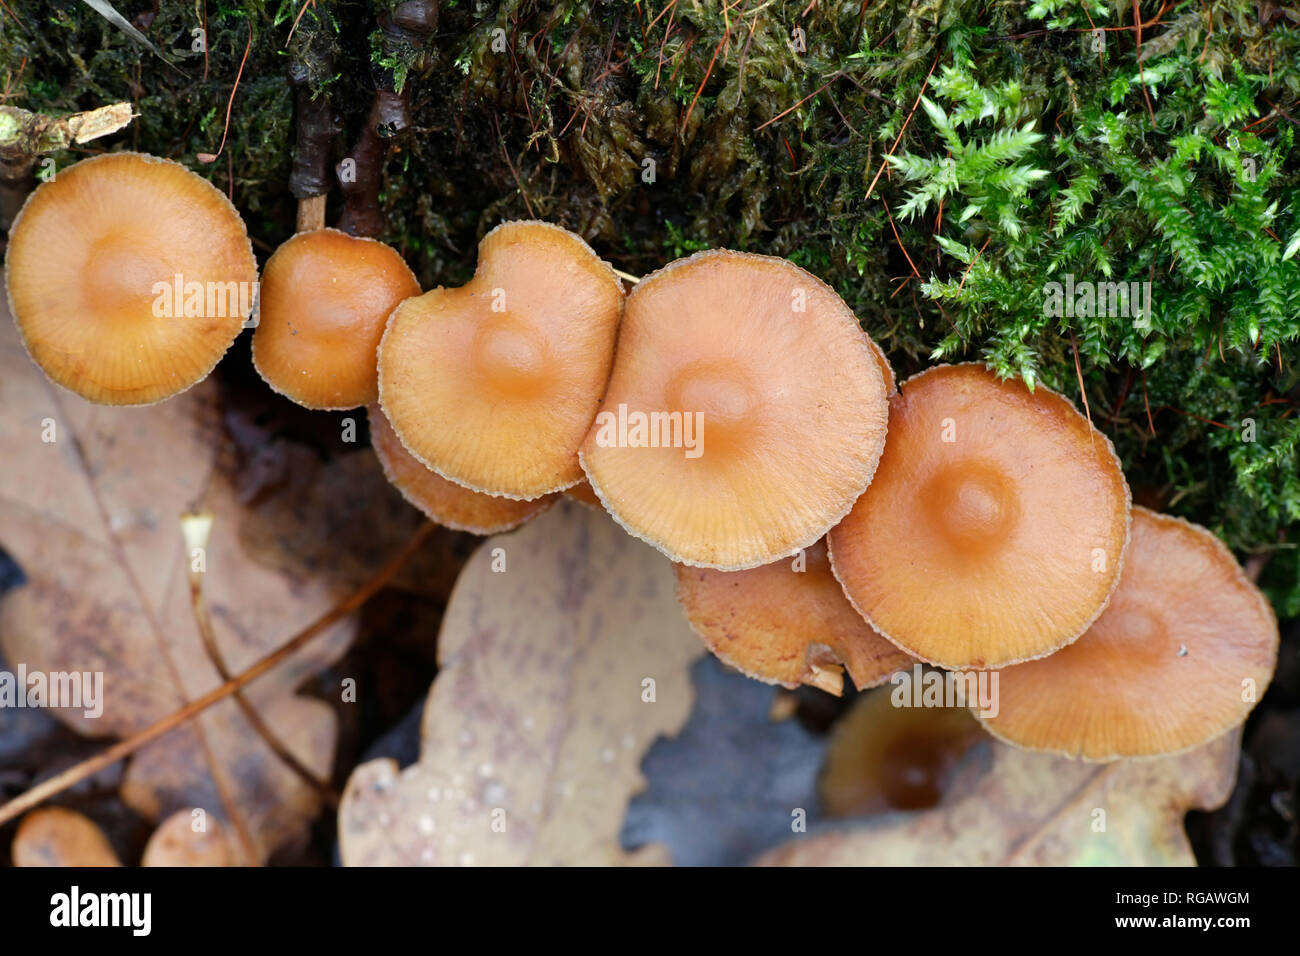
56, 836
733, 782
536, 724
90, 499
1038, 810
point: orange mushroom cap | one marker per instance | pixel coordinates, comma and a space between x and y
882, 757
995, 528
1185, 648
129, 276
786, 626
493, 385
325, 298
446, 502
781, 406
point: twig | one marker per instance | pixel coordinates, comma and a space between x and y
506, 155
1146, 400
230, 103
1078, 370
93, 765
797, 105
899, 239
707, 73
897, 139
197, 527
962, 285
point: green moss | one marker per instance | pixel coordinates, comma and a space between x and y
1042, 152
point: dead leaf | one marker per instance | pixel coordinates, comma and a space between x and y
733, 783
90, 499
535, 727
57, 836
1038, 810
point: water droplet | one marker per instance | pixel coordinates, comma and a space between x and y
426, 824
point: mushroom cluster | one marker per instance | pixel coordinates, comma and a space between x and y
729, 410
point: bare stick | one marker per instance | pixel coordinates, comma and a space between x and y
197, 527
93, 765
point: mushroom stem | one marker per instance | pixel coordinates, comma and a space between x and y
311, 213
318, 123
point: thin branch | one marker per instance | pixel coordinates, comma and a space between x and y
93, 765
197, 528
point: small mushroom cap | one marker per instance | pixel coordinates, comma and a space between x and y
493, 385
786, 626
1179, 657
784, 395
57, 836
995, 528
94, 261
325, 299
883, 757
446, 502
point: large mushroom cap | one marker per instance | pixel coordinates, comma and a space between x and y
786, 626
493, 385
449, 504
325, 298
994, 530
1180, 655
781, 411
96, 260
